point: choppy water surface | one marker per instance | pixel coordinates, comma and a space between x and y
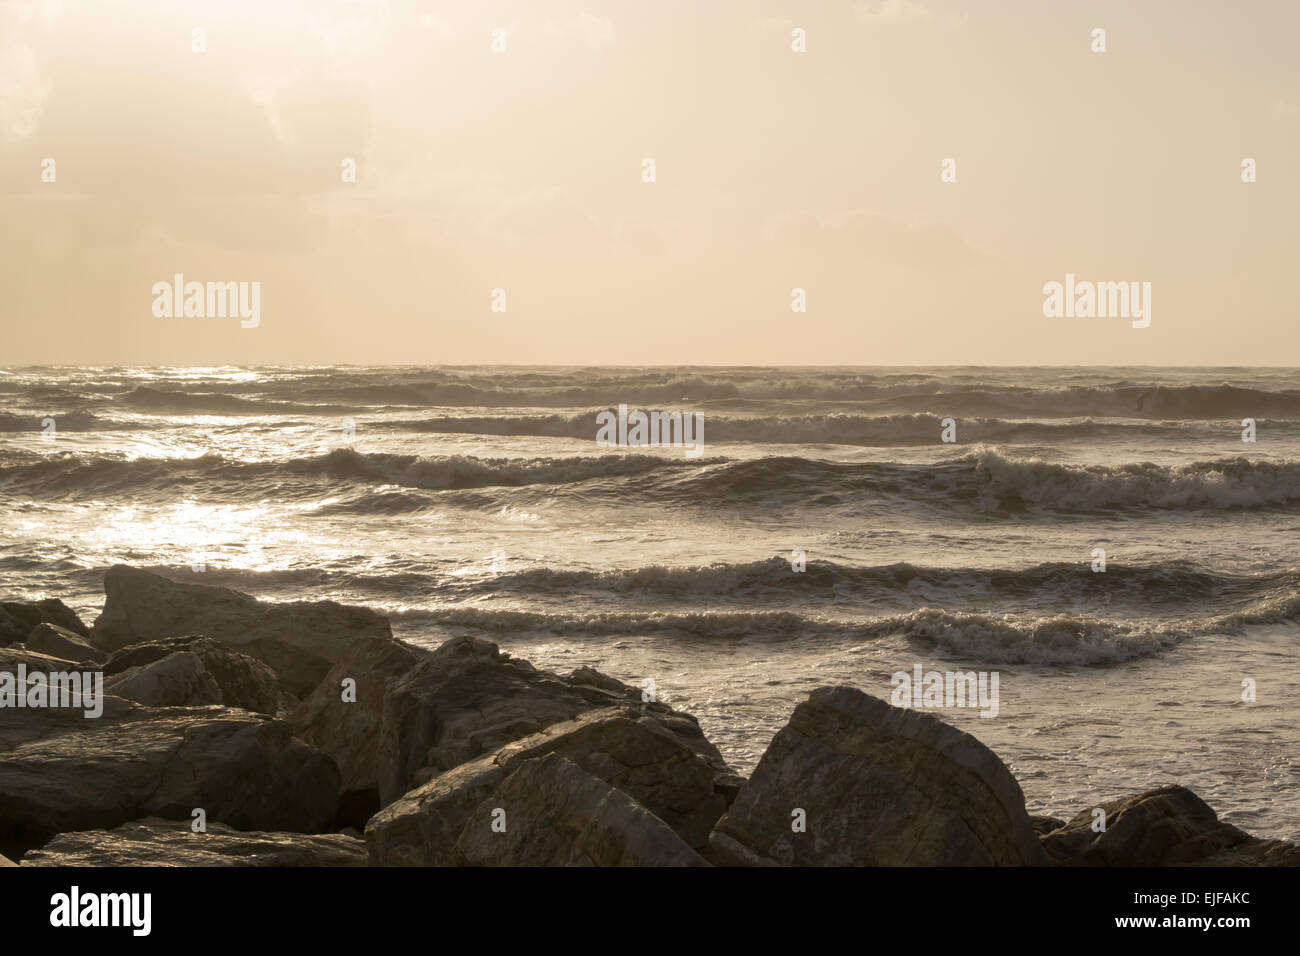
476, 501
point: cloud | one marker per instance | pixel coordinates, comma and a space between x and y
24, 87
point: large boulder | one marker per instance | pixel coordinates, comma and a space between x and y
621, 746
60, 771
17, 618
57, 641
556, 814
466, 699
300, 641
877, 785
177, 680
1168, 826
212, 673
157, 842
350, 730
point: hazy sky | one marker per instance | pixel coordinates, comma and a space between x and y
522, 170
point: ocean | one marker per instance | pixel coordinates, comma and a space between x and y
825, 533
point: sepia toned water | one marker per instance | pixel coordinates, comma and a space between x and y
477, 501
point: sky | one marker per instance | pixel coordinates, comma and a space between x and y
523, 169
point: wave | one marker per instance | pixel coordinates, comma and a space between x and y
218, 403
990, 393
984, 482
953, 394
69, 474
1179, 587
1010, 639
829, 429
1175, 583
65, 421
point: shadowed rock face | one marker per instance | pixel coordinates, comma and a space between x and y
619, 746
299, 641
60, 771
157, 842
12, 656
17, 619
1168, 826
879, 785
192, 671
556, 814
351, 732
466, 699
57, 641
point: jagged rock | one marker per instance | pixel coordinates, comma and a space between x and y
300, 641
17, 618
626, 749
12, 656
557, 814
60, 771
878, 785
178, 680
1045, 825
60, 642
466, 698
5, 861
240, 680
157, 842
350, 731
1168, 826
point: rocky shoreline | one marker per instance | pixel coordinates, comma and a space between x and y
236, 732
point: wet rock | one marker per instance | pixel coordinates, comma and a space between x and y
60, 642
620, 746
350, 730
157, 842
1168, 826
178, 680
16, 654
239, 680
1044, 825
61, 771
466, 699
299, 641
871, 784
556, 814
17, 618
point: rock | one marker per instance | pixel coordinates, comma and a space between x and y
1168, 826
5, 861
466, 699
240, 680
1045, 825
18, 618
60, 771
620, 746
12, 656
157, 842
58, 641
178, 680
878, 785
299, 641
556, 814
350, 731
